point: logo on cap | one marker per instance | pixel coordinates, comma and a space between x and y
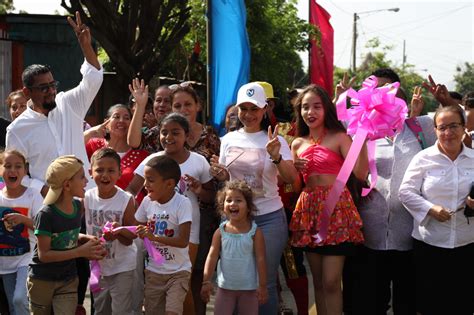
250, 92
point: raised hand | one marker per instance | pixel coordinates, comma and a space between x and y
139, 91
343, 85
82, 31
440, 92
417, 102
273, 145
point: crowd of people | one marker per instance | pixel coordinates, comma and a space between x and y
172, 212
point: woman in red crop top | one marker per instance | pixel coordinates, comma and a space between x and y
319, 152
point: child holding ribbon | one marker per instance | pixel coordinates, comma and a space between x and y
18, 206
165, 219
108, 202
53, 282
195, 183
319, 152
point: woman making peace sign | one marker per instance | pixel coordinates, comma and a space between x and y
256, 156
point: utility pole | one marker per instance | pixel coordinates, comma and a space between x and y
354, 32
354, 42
404, 54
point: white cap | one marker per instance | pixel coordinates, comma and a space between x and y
252, 93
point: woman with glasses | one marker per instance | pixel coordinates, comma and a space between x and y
435, 192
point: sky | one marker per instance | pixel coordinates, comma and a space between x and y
438, 35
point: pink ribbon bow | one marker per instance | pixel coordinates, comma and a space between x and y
375, 113
95, 266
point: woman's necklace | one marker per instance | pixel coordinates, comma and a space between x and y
318, 140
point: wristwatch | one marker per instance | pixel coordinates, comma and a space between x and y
277, 161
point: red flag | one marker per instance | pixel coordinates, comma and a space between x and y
321, 57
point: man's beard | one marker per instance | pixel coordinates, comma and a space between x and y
50, 105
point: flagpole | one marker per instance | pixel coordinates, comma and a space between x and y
208, 57
310, 45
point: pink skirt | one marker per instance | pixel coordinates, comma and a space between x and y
345, 222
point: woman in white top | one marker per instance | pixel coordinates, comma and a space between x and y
256, 156
435, 191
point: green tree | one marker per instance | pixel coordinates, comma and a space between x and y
6, 6
376, 59
464, 78
276, 34
138, 36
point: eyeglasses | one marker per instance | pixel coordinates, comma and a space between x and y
44, 88
183, 85
452, 127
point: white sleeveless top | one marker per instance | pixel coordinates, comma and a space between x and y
98, 211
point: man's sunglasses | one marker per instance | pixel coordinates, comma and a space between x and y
44, 88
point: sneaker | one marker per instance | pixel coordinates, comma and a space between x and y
80, 310
285, 310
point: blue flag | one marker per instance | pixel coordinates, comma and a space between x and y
230, 55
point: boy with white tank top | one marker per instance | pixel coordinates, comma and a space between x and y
107, 202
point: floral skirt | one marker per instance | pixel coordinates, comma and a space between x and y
344, 226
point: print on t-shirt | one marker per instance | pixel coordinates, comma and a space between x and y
14, 240
65, 240
97, 219
248, 167
161, 226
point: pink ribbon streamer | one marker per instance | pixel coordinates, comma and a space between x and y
95, 265
375, 113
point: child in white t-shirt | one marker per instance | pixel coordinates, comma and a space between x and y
165, 219
107, 202
18, 206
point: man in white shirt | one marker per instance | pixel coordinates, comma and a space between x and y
52, 125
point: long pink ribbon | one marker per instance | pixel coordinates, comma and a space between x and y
375, 113
95, 265
340, 183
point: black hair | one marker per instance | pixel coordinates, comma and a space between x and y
29, 74
112, 108
263, 124
330, 116
387, 73
233, 125
238, 185
177, 118
149, 102
468, 100
166, 167
456, 95
451, 109
105, 153
186, 88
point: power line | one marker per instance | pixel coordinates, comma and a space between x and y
432, 17
340, 9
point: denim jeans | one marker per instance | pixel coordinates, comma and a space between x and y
15, 288
275, 232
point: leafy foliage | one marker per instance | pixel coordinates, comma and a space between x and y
376, 59
464, 78
138, 36
276, 34
6, 6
